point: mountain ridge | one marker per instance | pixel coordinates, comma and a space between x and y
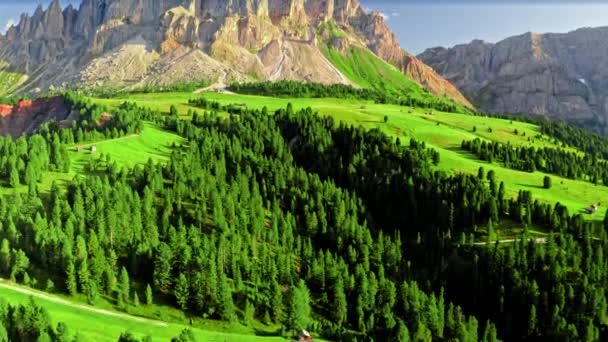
557, 75
130, 43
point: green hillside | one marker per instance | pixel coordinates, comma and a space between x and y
94, 324
442, 131
249, 226
367, 70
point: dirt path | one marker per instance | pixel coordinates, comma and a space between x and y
541, 241
54, 299
220, 86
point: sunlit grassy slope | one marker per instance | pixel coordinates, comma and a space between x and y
368, 71
100, 327
153, 143
442, 131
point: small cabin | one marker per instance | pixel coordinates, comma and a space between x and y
79, 149
305, 336
93, 149
593, 209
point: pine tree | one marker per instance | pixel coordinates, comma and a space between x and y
71, 278
340, 310
149, 298
489, 333
14, 177
277, 301
423, 334
5, 255
124, 287
181, 291
185, 336
547, 182
249, 312
299, 310
227, 310
403, 334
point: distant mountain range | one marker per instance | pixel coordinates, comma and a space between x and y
132, 43
563, 76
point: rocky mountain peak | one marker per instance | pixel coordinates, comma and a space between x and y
52, 21
164, 41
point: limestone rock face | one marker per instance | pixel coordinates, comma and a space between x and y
556, 75
127, 43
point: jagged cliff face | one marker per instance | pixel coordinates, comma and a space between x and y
127, 43
557, 75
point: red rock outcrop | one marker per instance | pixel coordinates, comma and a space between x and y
26, 116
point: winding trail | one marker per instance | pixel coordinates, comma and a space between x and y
5, 284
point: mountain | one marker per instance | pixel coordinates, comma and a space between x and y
131, 43
556, 75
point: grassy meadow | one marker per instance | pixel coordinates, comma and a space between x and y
153, 143
442, 131
100, 327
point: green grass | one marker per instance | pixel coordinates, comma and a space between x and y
369, 71
445, 137
153, 143
99, 327
10, 81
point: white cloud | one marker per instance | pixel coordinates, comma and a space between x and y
9, 23
395, 14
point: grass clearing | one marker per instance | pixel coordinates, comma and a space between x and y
153, 143
96, 326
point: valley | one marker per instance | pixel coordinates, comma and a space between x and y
280, 170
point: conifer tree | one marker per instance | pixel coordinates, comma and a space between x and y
124, 285
298, 309
182, 291
149, 297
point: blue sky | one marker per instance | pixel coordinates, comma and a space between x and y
10, 10
421, 24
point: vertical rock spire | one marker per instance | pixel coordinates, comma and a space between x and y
320, 10
53, 20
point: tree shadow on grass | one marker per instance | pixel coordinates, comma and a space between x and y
466, 154
530, 186
267, 333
